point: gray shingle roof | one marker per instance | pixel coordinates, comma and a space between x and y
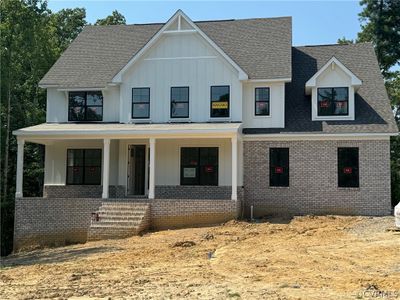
373, 113
261, 47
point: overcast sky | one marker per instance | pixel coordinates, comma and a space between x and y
314, 22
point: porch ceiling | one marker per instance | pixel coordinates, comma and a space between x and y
48, 131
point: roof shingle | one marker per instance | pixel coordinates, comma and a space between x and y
261, 47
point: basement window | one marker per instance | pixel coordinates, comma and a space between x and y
348, 171
85, 106
199, 166
279, 167
83, 166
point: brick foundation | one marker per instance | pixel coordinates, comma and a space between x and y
196, 192
175, 213
314, 181
82, 191
60, 221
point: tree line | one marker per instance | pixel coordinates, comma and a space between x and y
32, 37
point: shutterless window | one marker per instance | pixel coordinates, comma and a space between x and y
220, 101
199, 166
140, 103
279, 166
180, 102
333, 101
84, 166
262, 101
85, 106
348, 172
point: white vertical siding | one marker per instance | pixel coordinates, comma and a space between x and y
181, 60
276, 119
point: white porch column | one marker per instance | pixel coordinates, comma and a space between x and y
106, 168
152, 173
20, 168
234, 167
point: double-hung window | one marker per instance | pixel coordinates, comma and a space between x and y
262, 106
333, 101
220, 101
199, 166
141, 103
279, 166
348, 172
84, 166
180, 102
85, 106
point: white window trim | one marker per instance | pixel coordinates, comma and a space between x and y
254, 116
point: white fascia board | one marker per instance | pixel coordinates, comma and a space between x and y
318, 137
82, 89
118, 77
269, 80
312, 82
46, 86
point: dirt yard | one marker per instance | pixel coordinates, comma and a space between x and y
303, 258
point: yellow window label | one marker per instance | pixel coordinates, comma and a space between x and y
220, 105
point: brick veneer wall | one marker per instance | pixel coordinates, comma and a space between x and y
52, 221
175, 213
82, 191
195, 192
59, 221
314, 181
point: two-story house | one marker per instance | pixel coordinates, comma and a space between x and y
187, 123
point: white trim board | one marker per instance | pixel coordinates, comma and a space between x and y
318, 137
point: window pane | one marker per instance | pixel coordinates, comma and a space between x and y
77, 98
180, 94
84, 166
77, 113
180, 110
92, 157
262, 94
333, 101
140, 110
190, 156
220, 101
94, 98
141, 95
199, 166
208, 166
94, 113
279, 166
92, 175
262, 108
348, 169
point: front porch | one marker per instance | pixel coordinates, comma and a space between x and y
163, 161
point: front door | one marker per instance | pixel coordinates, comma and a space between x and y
136, 169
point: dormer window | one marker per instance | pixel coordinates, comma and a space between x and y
332, 91
85, 106
333, 101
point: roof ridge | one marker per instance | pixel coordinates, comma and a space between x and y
196, 22
334, 45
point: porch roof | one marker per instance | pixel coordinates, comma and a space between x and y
125, 131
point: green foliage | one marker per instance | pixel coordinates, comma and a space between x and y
32, 38
115, 18
344, 41
381, 25
68, 23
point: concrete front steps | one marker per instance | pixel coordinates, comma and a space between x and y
119, 219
